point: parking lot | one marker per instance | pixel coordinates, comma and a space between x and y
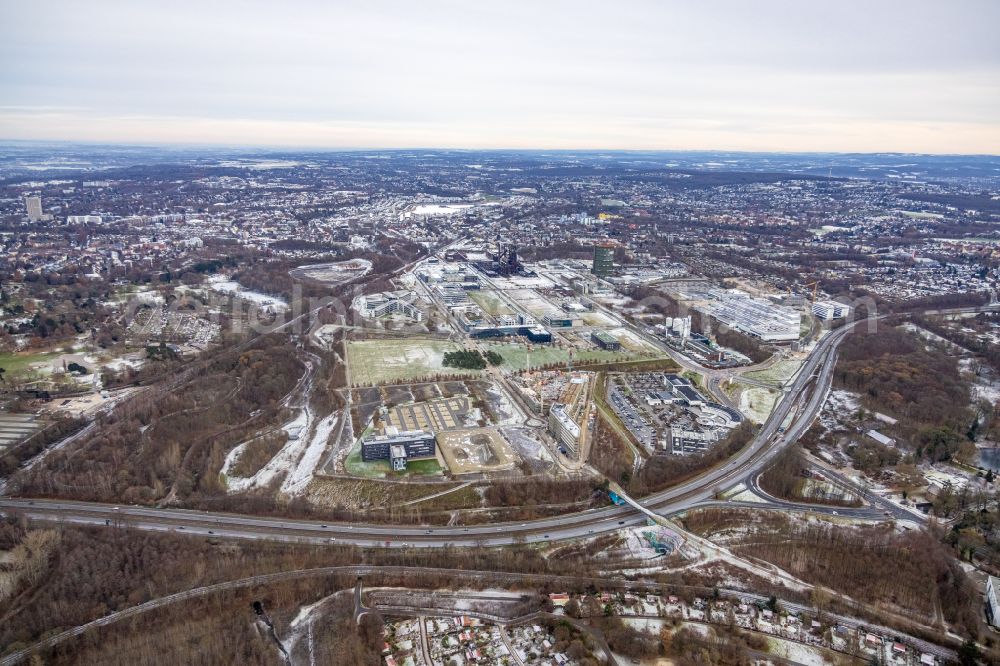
15, 428
434, 415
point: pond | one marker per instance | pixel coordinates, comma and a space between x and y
989, 459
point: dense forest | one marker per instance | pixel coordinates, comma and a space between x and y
171, 443
76, 575
912, 571
898, 373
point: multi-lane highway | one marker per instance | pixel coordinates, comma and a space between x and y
792, 416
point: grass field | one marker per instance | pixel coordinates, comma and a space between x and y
757, 403
388, 361
777, 374
516, 356
16, 365
490, 302
597, 319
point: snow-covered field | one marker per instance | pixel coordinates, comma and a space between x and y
300, 476
983, 388
839, 404
796, 652
438, 209
758, 403
285, 459
224, 286
306, 440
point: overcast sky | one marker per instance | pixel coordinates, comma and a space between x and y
913, 75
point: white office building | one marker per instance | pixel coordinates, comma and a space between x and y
33, 206
374, 306
827, 310
563, 428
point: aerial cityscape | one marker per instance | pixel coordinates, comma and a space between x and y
309, 377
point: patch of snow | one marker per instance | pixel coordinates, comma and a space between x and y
297, 480
283, 461
220, 284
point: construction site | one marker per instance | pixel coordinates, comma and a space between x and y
475, 451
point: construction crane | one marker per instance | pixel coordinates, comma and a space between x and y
814, 285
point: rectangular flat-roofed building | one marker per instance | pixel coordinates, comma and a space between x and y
563, 428
827, 310
754, 316
412, 444
993, 600
605, 341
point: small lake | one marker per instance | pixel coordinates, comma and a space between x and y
989, 458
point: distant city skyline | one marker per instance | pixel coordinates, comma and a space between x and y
772, 76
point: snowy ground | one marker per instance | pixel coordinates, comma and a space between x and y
529, 448
758, 403
506, 411
307, 437
742, 494
796, 652
222, 285
983, 387
302, 627
298, 478
839, 404
297, 431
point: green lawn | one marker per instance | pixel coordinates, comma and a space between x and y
372, 470
388, 361
778, 374
490, 302
378, 469
17, 365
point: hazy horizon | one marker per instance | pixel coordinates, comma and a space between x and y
907, 77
